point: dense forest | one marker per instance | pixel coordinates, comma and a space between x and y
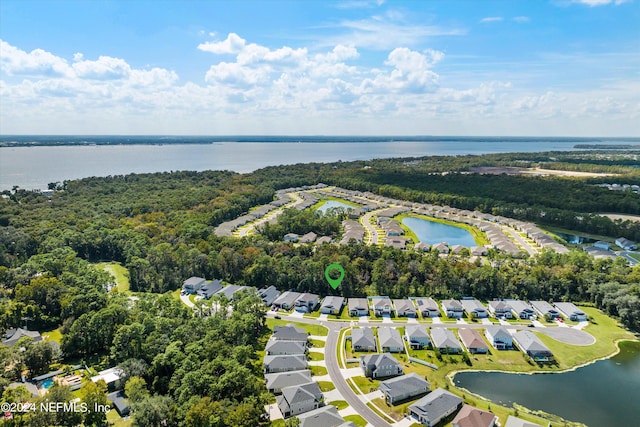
160, 227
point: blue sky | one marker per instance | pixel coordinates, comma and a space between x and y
544, 67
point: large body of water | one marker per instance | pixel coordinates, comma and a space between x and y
434, 232
35, 166
603, 394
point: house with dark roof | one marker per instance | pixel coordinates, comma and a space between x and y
521, 309
445, 341
310, 237
119, 402
571, 312
531, 345
209, 289
193, 284
380, 366
332, 305
626, 244
452, 308
289, 333
435, 407
324, 239
307, 302
417, 336
404, 308
543, 309
382, 306
283, 347
474, 308
299, 399
229, 291
404, 387
519, 422
276, 382
499, 337
268, 295
362, 339
326, 416
274, 364
287, 300
12, 336
390, 340
428, 307
470, 416
500, 309
358, 307
291, 237
472, 341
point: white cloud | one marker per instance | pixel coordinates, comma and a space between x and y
594, 3
105, 68
38, 62
489, 19
231, 45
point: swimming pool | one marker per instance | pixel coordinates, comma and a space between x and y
47, 383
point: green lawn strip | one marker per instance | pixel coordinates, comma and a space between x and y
353, 386
311, 329
365, 384
315, 356
635, 256
378, 411
326, 385
53, 335
339, 404
479, 236
339, 348
357, 420
313, 315
396, 412
313, 343
119, 273
318, 370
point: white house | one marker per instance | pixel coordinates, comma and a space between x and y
626, 244
571, 312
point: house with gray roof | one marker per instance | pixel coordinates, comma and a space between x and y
268, 295
326, 416
299, 399
210, 288
404, 387
519, 422
310, 237
382, 306
531, 345
307, 302
119, 402
358, 307
193, 284
332, 305
287, 300
472, 341
362, 339
274, 364
499, 337
404, 308
12, 336
474, 308
323, 240
445, 341
276, 382
289, 333
380, 366
229, 291
435, 407
417, 336
521, 309
570, 311
470, 416
543, 309
452, 308
390, 340
428, 307
500, 309
283, 347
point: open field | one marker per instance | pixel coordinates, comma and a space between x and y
119, 273
622, 217
310, 328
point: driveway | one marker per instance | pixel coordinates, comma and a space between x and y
185, 299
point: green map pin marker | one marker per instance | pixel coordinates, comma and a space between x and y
334, 282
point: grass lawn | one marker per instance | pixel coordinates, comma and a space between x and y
311, 329
396, 412
635, 256
339, 404
54, 335
365, 384
119, 273
318, 370
316, 343
315, 356
356, 419
114, 419
326, 385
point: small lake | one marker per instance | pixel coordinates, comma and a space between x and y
602, 394
434, 232
329, 204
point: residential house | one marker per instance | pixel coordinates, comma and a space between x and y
268, 295
474, 308
273, 364
291, 237
500, 309
442, 248
545, 309
287, 300
29, 386
310, 237
323, 239
428, 307
209, 289
380, 366
417, 336
435, 407
404, 308
531, 345
299, 399
229, 291
404, 387
470, 416
113, 377
13, 335
452, 308
421, 246
478, 251
358, 307
626, 244
445, 341
119, 402
362, 339
472, 340
396, 242
193, 284
307, 302
326, 416
282, 347
571, 312
605, 246
276, 382
499, 337
332, 305
519, 422
521, 309
382, 306
390, 340
289, 333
